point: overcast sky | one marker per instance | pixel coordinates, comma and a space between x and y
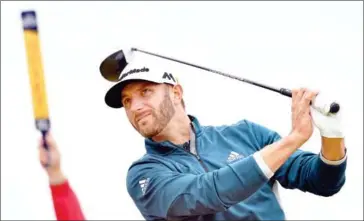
282, 44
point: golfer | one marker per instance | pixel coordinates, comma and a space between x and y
230, 172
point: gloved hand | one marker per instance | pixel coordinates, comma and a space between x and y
329, 125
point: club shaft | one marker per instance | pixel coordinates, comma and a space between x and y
283, 91
334, 107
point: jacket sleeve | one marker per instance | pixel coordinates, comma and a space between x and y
304, 170
309, 173
65, 202
161, 193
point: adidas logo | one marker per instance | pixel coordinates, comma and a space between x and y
143, 185
234, 156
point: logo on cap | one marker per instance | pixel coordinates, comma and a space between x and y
169, 76
132, 71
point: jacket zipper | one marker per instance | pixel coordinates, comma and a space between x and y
202, 163
197, 155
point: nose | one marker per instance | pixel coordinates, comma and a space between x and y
136, 104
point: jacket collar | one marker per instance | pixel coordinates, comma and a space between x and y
166, 147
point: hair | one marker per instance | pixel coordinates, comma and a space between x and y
183, 104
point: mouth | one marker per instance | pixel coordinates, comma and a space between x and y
142, 116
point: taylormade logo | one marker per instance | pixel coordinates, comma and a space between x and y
132, 71
169, 76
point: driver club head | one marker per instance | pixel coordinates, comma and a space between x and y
113, 65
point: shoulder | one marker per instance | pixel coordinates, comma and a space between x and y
141, 171
244, 127
243, 124
147, 165
223, 127
146, 161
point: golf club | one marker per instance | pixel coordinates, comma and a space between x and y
114, 64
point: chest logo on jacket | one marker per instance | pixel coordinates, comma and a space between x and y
234, 156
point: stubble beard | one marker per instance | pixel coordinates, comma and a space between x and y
161, 118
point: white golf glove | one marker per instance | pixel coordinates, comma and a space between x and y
329, 125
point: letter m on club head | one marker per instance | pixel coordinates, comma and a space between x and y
168, 76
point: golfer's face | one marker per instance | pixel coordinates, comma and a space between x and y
142, 102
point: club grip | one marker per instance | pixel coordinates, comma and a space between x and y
334, 107
318, 104
286, 92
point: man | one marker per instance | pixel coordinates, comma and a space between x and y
196, 172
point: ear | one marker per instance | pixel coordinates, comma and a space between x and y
177, 94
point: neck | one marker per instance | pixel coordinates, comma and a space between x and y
177, 131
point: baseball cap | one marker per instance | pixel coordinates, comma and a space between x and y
140, 67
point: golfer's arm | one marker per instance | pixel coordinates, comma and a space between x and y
273, 156
305, 170
65, 202
173, 195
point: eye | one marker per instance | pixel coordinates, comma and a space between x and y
146, 91
126, 101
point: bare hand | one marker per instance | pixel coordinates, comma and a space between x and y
302, 124
51, 160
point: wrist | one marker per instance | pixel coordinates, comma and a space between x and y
56, 177
296, 140
331, 133
333, 149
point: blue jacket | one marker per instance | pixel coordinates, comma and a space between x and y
223, 182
